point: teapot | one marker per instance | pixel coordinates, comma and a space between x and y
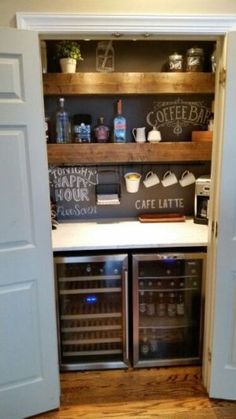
154, 136
139, 134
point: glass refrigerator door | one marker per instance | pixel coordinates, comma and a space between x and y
92, 311
168, 302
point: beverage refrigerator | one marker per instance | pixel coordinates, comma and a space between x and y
168, 302
140, 309
92, 308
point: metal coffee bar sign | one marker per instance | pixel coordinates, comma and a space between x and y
178, 114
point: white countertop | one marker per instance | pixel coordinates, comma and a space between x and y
117, 234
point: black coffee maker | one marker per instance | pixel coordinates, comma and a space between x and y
201, 200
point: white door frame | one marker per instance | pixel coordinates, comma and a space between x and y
164, 26
95, 25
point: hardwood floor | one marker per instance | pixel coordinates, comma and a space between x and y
162, 393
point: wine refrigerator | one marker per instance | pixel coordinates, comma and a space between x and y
92, 306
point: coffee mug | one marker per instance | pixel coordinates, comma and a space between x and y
187, 178
151, 179
169, 179
132, 181
139, 134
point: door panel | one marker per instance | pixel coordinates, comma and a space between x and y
220, 352
27, 362
16, 206
29, 379
10, 77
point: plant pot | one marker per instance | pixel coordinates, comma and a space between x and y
68, 65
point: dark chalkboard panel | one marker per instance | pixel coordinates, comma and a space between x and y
74, 189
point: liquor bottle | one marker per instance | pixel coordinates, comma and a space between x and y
161, 305
180, 304
63, 128
101, 131
119, 132
171, 305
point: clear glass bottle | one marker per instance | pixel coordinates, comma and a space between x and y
101, 131
153, 341
144, 343
171, 306
161, 305
150, 304
142, 303
180, 309
119, 131
63, 127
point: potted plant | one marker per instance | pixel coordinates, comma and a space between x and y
69, 53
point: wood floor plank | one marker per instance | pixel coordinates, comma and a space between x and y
167, 393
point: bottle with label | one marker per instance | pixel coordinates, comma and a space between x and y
144, 343
153, 341
101, 131
82, 128
171, 306
180, 304
63, 128
142, 303
161, 305
150, 304
119, 132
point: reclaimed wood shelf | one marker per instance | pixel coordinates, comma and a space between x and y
128, 83
111, 153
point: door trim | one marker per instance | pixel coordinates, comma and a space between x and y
117, 25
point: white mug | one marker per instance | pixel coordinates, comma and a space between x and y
187, 178
169, 179
132, 181
151, 179
139, 134
154, 136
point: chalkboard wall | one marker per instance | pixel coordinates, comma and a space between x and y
75, 190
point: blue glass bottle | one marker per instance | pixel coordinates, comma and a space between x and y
119, 131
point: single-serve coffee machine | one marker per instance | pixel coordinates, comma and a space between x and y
201, 201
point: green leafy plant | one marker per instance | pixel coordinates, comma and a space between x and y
68, 49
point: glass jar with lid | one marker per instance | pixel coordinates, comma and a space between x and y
176, 62
194, 60
213, 61
105, 57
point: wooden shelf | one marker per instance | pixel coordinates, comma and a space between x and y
129, 153
128, 83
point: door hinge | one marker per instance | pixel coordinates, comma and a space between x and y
209, 355
214, 228
222, 78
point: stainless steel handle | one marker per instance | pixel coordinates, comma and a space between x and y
126, 316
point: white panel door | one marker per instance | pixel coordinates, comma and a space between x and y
220, 352
29, 378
